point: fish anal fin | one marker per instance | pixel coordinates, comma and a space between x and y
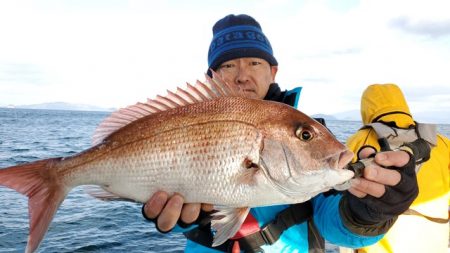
102, 193
226, 222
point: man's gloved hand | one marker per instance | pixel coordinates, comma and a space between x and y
396, 198
386, 189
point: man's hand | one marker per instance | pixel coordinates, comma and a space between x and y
167, 210
386, 189
376, 177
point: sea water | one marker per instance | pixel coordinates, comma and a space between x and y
82, 223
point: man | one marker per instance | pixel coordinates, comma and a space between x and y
387, 123
242, 55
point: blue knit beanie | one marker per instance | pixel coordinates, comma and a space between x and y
237, 36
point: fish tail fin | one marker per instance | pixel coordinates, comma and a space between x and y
45, 191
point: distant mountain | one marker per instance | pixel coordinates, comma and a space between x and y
348, 115
324, 116
353, 115
64, 106
435, 117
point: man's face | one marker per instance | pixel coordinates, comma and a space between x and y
251, 75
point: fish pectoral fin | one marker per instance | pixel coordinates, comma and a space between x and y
248, 175
227, 221
101, 193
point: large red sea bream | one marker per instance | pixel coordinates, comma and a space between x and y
207, 142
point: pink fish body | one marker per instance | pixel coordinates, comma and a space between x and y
207, 143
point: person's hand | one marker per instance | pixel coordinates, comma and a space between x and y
377, 175
386, 189
166, 211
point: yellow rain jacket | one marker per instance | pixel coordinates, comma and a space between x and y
410, 233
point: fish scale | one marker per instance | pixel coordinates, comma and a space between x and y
211, 163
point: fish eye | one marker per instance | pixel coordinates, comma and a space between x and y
304, 134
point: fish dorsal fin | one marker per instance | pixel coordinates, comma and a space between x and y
199, 92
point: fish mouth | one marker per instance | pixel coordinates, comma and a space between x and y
339, 162
345, 157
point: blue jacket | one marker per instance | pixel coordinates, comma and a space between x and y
325, 223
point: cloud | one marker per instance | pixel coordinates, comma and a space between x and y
426, 91
432, 28
332, 53
115, 53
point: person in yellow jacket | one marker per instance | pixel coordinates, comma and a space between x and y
387, 123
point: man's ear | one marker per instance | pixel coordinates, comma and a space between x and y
273, 71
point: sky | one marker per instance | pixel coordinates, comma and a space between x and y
114, 53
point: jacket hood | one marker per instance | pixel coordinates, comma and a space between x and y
385, 102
